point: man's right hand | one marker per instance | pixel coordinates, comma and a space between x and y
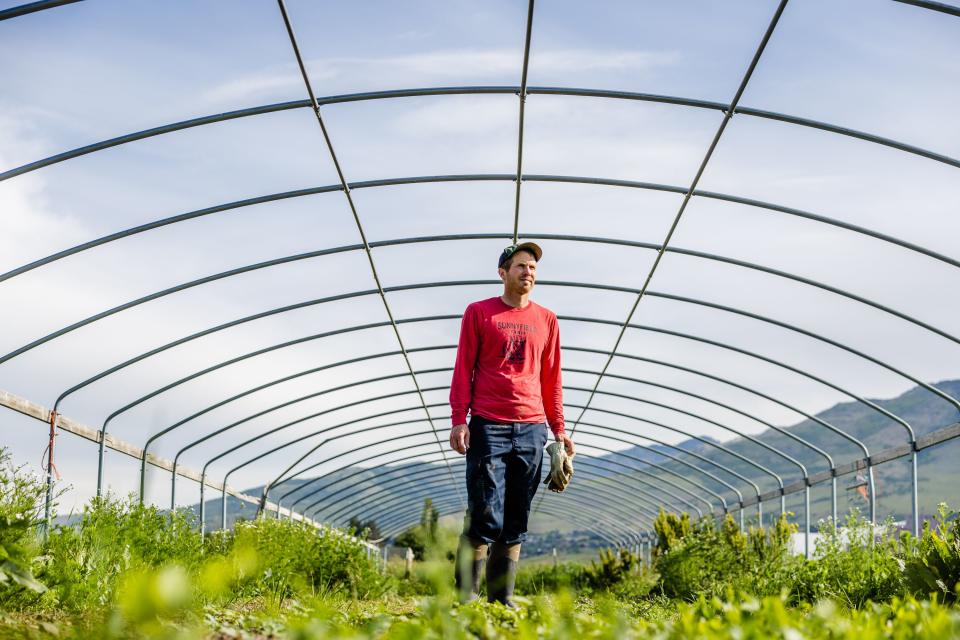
460, 438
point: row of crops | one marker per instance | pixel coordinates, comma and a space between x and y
127, 570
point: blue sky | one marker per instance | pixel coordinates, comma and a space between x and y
97, 69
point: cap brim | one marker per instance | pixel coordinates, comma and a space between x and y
532, 247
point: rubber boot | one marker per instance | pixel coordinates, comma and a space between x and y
469, 566
502, 573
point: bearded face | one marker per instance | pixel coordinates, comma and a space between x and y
521, 275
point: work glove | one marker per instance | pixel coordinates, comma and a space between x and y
561, 467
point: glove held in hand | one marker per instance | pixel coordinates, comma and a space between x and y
561, 467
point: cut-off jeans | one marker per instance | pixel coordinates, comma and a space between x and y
503, 474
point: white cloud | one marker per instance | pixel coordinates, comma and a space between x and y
459, 65
30, 228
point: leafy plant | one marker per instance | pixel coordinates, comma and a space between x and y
21, 497
671, 529
612, 569
849, 566
298, 558
932, 563
709, 558
84, 562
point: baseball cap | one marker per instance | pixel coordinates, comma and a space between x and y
532, 247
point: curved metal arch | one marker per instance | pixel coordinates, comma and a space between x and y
322, 504
704, 303
300, 487
31, 7
331, 517
357, 488
598, 504
606, 508
844, 434
353, 490
612, 516
180, 423
389, 353
274, 430
234, 360
611, 322
740, 506
858, 443
678, 459
617, 541
463, 283
283, 477
287, 444
645, 462
772, 449
739, 350
559, 283
388, 504
572, 238
445, 507
376, 398
303, 470
283, 379
816, 336
356, 403
821, 381
806, 479
700, 439
417, 470
435, 238
179, 453
935, 6
293, 442
803, 469
657, 478
600, 426
260, 456
601, 509
385, 182
440, 91
642, 507
669, 296
723, 405
203, 473
723, 501
745, 352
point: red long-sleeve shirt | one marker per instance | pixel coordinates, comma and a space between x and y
508, 365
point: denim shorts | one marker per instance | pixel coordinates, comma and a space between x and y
503, 474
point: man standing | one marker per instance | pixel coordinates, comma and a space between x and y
507, 375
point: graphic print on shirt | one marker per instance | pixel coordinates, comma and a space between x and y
514, 347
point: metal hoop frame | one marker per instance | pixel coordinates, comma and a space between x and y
607, 432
